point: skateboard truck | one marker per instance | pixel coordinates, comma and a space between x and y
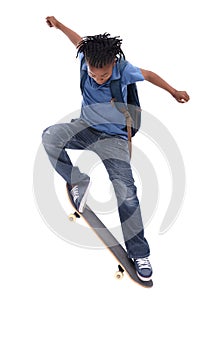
120, 273
74, 216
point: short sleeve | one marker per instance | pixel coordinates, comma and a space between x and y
131, 74
81, 56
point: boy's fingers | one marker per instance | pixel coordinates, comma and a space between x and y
48, 21
183, 97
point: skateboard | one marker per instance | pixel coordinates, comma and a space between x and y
125, 264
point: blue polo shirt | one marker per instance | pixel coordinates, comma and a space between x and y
97, 109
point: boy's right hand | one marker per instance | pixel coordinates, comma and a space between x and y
52, 21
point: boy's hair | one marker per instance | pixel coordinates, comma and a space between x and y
100, 50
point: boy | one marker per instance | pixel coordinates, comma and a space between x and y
101, 128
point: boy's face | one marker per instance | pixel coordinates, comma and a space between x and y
100, 75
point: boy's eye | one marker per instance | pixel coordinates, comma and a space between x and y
93, 75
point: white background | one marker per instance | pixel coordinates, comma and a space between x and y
55, 295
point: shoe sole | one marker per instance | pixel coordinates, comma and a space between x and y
84, 199
145, 279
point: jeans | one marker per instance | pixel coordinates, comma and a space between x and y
114, 153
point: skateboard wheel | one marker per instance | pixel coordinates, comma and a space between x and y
119, 275
72, 217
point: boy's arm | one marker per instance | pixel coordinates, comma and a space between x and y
180, 96
73, 36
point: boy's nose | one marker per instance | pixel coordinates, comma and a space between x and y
99, 81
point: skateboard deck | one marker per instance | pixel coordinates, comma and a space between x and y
125, 264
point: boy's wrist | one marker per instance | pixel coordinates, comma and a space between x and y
59, 25
173, 92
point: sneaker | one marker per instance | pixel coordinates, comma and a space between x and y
143, 268
79, 193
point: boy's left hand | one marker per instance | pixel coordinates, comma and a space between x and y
181, 96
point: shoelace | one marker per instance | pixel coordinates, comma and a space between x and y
143, 263
75, 193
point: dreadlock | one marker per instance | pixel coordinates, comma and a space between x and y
100, 50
